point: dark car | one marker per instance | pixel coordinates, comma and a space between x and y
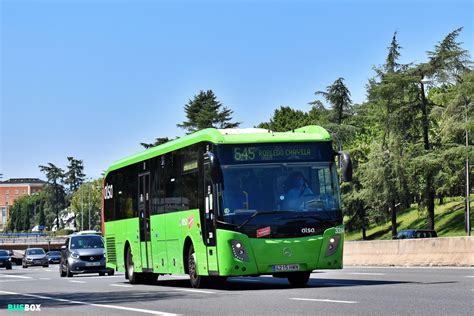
416, 233
5, 260
35, 257
83, 253
54, 256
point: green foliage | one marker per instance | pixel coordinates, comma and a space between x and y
55, 192
88, 197
449, 221
158, 141
74, 175
26, 212
286, 119
205, 111
338, 96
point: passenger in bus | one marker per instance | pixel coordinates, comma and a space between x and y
297, 192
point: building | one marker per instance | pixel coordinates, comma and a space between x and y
12, 189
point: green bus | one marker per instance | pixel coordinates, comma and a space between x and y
227, 202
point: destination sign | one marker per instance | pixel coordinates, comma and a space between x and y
276, 152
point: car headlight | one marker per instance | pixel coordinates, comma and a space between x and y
238, 250
75, 255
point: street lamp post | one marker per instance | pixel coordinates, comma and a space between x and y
89, 207
82, 209
468, 206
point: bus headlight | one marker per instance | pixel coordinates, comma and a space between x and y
332, 245
238, 250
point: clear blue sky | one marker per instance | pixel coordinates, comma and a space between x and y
93, 79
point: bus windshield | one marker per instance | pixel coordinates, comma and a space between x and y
299, 188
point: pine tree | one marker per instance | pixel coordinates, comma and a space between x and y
205, 111
339, 96
54, 190
74, 177
157, 142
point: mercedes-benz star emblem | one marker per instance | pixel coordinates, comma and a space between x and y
287, 252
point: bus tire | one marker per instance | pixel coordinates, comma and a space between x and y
133, 277
151, 278
299, 279
197, 280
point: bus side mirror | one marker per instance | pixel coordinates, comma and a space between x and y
346, 166
216, 171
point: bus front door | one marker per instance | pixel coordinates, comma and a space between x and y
144, 221
210, 199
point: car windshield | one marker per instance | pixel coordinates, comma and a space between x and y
35, 252
3, 253
54, 253
297, 188
86, 242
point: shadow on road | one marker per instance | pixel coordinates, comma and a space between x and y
266, 283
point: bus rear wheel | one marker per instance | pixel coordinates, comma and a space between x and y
299, 279
133, 277
197, 280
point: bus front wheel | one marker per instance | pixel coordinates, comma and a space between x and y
299, 279
197, 280
133, 277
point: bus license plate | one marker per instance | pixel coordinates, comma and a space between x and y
89, 264
286, 267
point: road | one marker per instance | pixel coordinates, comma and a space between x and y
355, 291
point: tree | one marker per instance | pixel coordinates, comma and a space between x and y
157, 142
206, 111
391, 95
286, 119
447, 63
56, 196
89, 193
338, 95
75, 174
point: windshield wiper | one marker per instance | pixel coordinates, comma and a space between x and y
259, 213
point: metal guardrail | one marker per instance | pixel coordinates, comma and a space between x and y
24, 235
37, 240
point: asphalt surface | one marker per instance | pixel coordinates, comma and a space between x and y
354, 291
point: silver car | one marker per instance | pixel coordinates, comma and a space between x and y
35, 257
83, 254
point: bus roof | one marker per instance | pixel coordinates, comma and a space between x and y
312, 133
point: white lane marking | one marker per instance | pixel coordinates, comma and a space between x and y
5, 281
194, 291
45, 278
121, 285
469, 276
77, 281
322, 300
138, 310
16, 276
103, 277
365, 273
48, 270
